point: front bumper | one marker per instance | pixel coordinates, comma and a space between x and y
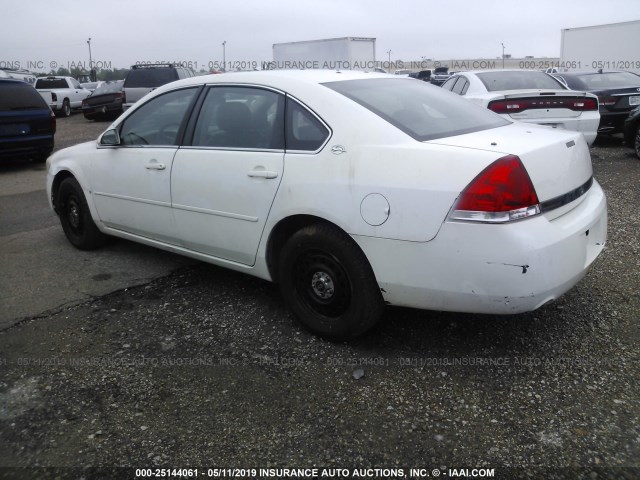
495, 269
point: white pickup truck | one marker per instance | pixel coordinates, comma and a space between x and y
61, 93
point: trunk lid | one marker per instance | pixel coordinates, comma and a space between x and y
558, 161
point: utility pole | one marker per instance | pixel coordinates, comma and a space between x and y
502, 55
224, 56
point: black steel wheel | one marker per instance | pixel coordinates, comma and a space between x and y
328, 283
75, 216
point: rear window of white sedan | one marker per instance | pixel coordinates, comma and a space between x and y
524, 80
423, 111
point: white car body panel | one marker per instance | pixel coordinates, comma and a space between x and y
563, 118
391, 193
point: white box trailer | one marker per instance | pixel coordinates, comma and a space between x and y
346, 53
614, 46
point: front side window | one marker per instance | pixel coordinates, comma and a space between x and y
461, 86
241, 117
448, 85
158, 121
418, 109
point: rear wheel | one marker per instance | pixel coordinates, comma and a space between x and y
75, 216
65, 111
328, 283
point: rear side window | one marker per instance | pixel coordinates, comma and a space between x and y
524, 80
423, 111
20, 96
51, 83
150, 77
304, 131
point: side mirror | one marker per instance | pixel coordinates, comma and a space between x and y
110, 138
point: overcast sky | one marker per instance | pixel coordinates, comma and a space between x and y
46, 33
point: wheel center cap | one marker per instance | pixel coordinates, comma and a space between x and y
322, 285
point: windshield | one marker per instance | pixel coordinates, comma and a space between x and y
524, 80
423, 111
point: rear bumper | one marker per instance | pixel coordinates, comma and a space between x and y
612, 122
26, 147
495, 269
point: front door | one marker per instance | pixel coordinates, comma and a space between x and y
132, 181
224, 182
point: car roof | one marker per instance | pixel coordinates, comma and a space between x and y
14, 80
579, 73
498, 70
279, 77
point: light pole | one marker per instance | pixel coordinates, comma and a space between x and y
389, 53
502, 54
90, 61
224, 56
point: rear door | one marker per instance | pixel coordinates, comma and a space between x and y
224, 181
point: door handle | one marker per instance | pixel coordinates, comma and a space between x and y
263, 174
155, 165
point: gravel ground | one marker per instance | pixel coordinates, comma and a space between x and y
206, 368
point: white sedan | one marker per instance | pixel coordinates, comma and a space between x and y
530, 96
352, 190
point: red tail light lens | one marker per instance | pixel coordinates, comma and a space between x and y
519, 105
607, 101
52, 121
502, 192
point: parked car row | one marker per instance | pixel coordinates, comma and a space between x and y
529, 96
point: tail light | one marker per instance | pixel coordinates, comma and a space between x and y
581, 104
607, 101
52, 121
119, 97
124, 97
502, 192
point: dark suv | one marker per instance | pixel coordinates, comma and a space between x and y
27, 124
142, 79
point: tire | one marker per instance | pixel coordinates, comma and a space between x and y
328, 283
636, 143
65, 111
75, 217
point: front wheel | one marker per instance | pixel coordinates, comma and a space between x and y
75, 216
328, 283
